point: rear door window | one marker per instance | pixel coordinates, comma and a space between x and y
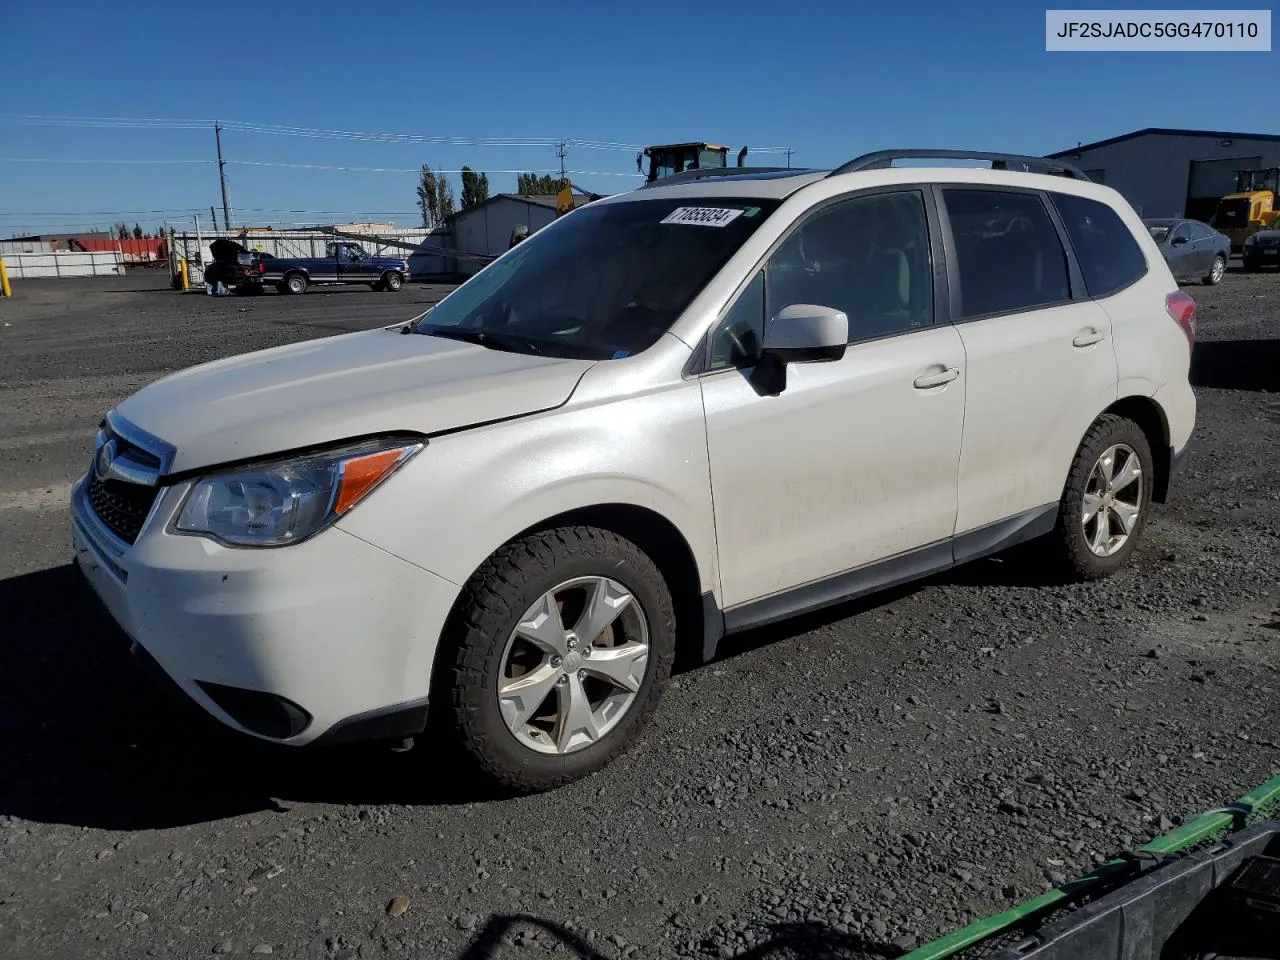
1109, 257
1008, 253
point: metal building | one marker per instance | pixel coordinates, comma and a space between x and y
486, 228
1174, 173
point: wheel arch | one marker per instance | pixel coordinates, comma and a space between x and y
1154, 424
699, 622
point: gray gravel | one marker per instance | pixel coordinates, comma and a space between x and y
851, 784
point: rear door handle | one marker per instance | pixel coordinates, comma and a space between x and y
929, 380
1087, 338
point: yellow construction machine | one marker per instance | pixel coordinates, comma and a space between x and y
1253, 206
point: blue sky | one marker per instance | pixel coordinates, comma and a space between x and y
829, 79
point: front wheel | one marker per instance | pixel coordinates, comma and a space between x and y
392, 282
559, 654
1105, 501
1216, 272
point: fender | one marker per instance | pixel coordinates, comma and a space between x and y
517, 474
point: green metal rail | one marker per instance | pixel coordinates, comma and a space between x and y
1203, 827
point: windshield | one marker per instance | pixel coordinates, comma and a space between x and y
605, 283
1158, 233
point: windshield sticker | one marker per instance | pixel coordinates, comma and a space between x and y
703, 216
621, 354
751, 211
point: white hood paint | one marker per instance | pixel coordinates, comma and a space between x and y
332, 389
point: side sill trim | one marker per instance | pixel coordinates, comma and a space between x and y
893, 571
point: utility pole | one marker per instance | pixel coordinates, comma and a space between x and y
788, 158
560, 152
222, 177
214, 217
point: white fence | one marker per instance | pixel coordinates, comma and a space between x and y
30, 266
194, 248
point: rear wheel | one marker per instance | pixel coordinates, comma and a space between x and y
558, 656
294, 283
1216, 272
1105, 501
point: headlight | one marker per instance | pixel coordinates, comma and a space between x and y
280, 503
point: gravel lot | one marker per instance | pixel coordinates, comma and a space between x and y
851, 784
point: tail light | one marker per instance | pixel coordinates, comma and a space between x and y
262, 266
1182, 308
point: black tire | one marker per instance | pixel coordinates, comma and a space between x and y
392, 282
498, 594
1216, 272
1067, 545
294, 284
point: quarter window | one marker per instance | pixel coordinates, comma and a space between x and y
1109, 257
1007, 251
737, 339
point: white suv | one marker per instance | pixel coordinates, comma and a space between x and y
710, 403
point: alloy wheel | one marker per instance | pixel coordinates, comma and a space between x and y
1113, 498
573, 665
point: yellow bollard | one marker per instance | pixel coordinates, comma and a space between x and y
186, 277
5, 289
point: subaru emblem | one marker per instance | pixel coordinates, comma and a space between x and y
106, 456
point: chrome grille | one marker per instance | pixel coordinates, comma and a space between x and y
123, 481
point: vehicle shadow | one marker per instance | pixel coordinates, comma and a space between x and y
87, 740
1019, 566
1237, 365
812, 941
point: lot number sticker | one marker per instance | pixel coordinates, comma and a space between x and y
703, 216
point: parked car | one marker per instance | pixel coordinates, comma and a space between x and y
670, 416
343, 262
1193, 250
1262, 249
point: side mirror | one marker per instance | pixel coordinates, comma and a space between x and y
807, 333
1179, 241
800, 333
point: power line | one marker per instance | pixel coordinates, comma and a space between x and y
286, 130
91, 161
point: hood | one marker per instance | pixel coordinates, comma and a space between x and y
333, 389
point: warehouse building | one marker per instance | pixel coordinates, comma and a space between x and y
486, 228
1174, 173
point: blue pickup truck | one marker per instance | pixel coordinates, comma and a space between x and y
343, 262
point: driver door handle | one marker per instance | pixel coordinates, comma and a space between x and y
929, 380
1087, 337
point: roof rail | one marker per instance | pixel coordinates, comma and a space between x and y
999, 161
703, 172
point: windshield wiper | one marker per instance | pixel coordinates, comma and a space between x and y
485, 338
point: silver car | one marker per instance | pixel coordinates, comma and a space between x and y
1193, 250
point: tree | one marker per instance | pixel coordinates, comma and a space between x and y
137, 232
121, 231
475, 188
435, 198
532, 185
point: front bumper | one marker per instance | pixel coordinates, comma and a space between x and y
338, 634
